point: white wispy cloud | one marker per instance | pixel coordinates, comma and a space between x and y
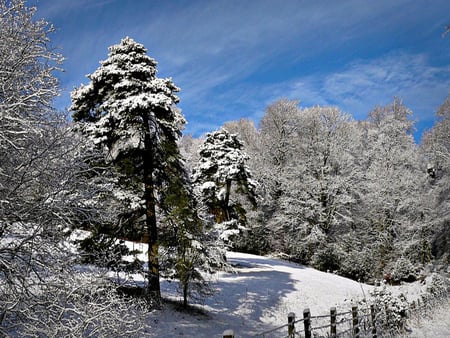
363, 84
356, 88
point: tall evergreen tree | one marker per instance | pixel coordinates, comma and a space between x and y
130, 113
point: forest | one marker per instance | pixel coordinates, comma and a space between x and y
307, 184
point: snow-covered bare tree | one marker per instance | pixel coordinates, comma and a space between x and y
26, 144
277, 130
246, 131
436, 150
221, 177
130, 113
389, 177
316, 185
41, 294
278, 126
436, 141
189, 149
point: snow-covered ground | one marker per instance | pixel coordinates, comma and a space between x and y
258, 296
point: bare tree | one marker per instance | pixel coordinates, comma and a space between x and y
41, 196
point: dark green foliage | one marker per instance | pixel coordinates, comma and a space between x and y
108, 252
326, 259
186, 255
441, 241
254, 240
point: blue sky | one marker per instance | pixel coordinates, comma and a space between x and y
232, 58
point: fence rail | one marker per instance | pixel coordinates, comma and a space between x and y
358, 322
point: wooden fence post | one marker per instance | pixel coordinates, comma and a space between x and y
373, 318
307, 322
333, 322
228, 334
291, 325
355, 321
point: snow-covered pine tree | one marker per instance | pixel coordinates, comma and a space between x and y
222, 167
130, 113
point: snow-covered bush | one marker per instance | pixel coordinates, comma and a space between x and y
403, 270
254, 240
327, 258
438, 286
391, 311
357, 265
307, 242
73, 304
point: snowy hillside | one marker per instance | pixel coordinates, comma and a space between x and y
259, 296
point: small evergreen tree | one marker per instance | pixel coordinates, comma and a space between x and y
186, 255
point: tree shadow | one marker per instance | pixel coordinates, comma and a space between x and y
244, 301
253, 290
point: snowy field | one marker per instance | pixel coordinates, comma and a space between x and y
258, 296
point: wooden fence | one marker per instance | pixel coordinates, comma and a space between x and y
336, 324
358, 322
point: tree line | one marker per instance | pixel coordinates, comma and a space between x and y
360, 198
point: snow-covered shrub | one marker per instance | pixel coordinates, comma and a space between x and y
309, 241
403, 270
327, 258
227, 232
437, 288
254, 240
391, 311
357, 265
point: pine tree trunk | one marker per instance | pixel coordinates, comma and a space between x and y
185, 294
153, 287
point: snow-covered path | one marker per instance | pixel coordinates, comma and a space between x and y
262, 291
258, 297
